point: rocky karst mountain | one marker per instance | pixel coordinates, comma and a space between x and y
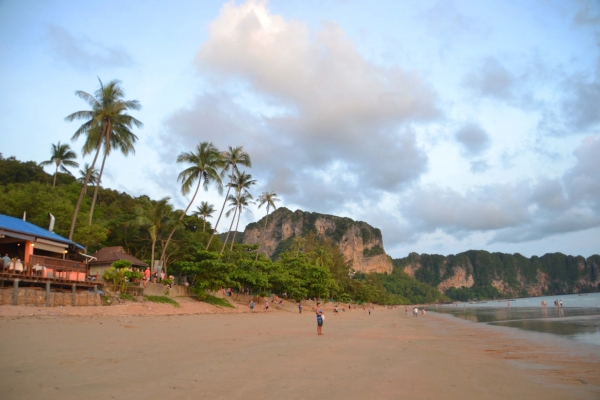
358, 241
509, 274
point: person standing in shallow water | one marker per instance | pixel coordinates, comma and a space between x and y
319, 313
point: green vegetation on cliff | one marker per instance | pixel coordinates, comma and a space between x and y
498, 275
308, 222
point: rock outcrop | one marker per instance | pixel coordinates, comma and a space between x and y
509, 274
358, 241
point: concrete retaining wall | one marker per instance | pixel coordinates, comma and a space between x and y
155, 289
180, 291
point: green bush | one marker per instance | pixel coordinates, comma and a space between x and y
162, 300
121, 264
216, 301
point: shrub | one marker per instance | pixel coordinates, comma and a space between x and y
162, 300
121, 264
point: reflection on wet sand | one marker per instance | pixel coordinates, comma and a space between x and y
581, 324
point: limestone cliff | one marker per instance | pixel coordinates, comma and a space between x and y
505, 274
359, 242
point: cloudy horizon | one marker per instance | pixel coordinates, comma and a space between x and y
449, 125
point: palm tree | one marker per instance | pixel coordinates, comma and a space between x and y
154, 216
206, 211
233, 202
120, 138
241, 182
268, 198
205, 164
84, 172
321, 257
231, 159
106, 119
173, 223
242, 204
61, 155
298, 243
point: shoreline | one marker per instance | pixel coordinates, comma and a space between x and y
277, 354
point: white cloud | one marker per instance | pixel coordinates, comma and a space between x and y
341, 130
85, 53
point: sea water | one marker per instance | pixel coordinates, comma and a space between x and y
578, 318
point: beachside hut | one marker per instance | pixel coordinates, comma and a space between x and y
36, 251
107, 255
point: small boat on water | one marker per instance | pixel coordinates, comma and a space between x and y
582, 294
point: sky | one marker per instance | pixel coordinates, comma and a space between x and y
450, 125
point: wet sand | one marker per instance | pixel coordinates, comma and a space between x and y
278, 355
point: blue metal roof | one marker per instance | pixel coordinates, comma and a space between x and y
18, 226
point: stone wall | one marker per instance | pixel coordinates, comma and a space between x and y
32, 297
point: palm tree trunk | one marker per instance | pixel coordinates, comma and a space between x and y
222, 208
264, 233
229, 231
96, 189
235, 232
182, 215
162, 257
193, 197
55, 173
204, 225
152, 259
87, 179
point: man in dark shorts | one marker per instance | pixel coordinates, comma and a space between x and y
299, 308
319, 313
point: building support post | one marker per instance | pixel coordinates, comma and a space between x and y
47, 294
16, 292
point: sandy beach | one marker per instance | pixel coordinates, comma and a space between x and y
153, 351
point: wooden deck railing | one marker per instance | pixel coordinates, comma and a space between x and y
44, 266
57, 263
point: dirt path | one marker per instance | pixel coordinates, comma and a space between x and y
278, 355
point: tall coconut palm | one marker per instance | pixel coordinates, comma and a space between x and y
206, 211
233, 202
154, 216
206, 161
243, 202
231, 159
172, 224
61, 155
321, 257
268, 198
298, 243
120, 138
106, 118
241, 182
84, 172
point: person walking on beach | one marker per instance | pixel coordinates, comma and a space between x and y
266, 305
252, 305
319, 313
335, 310
369, 310
299, 308
405, 310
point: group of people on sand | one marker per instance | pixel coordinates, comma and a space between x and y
415, 311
